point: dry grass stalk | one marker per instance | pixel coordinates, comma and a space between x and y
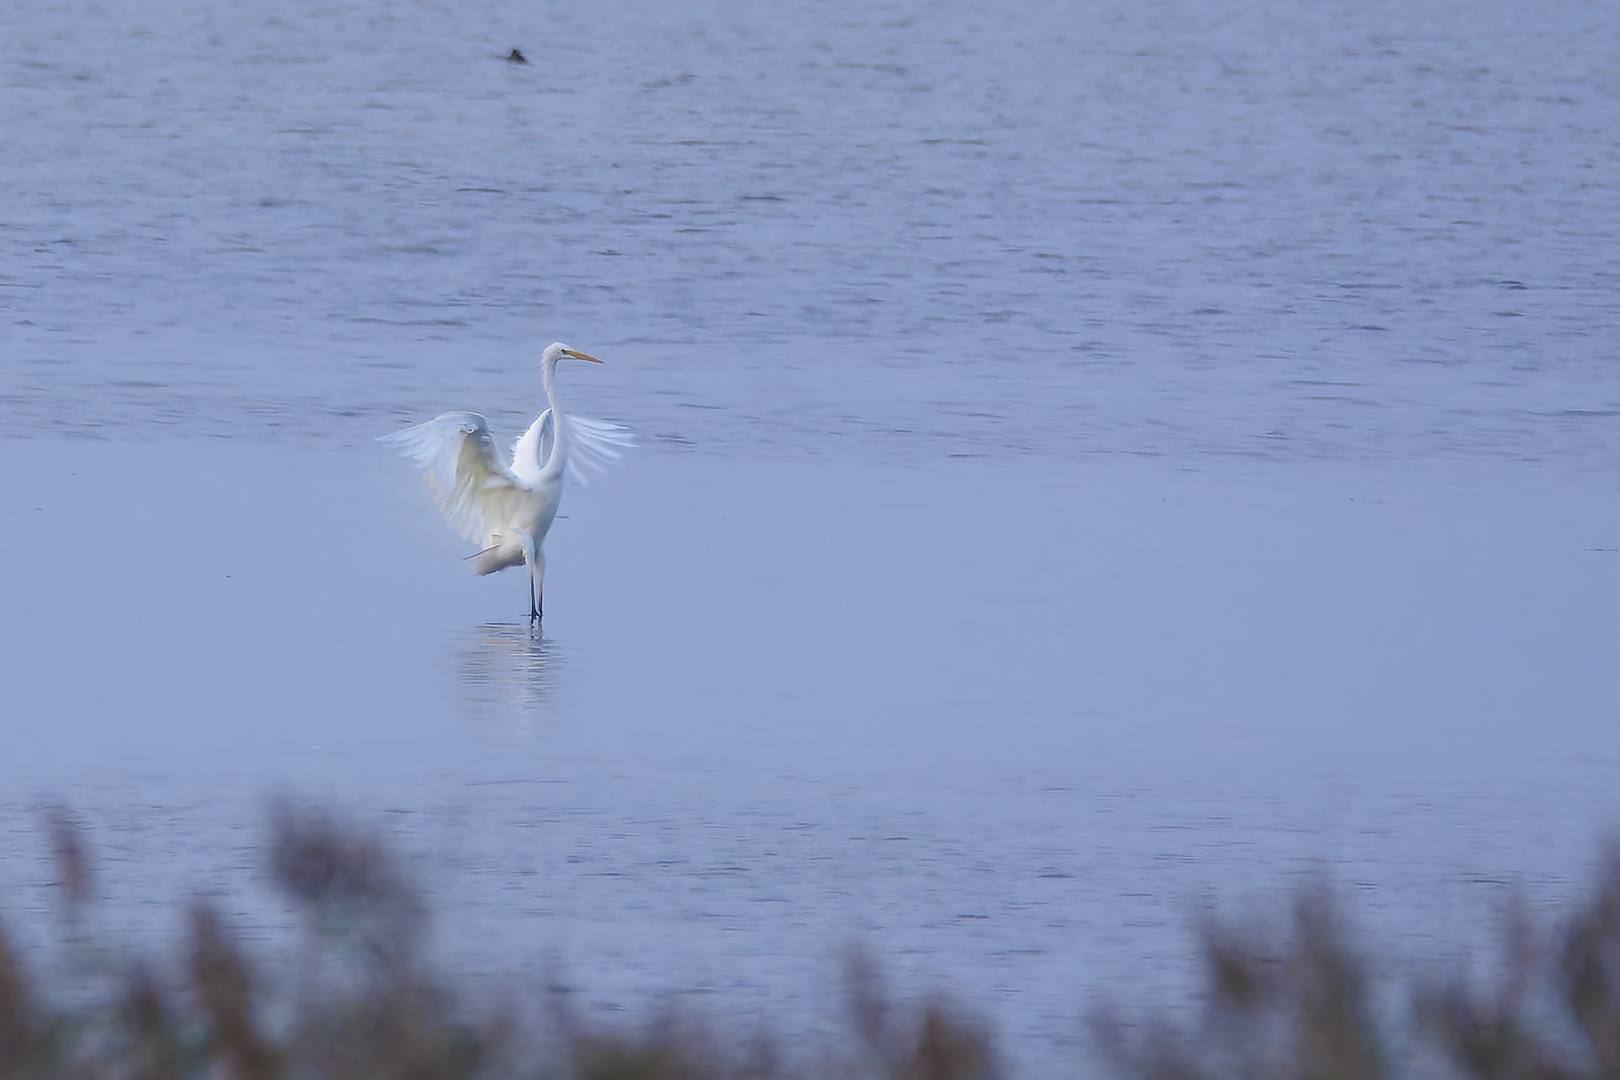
1272, 1011
351, 885
153, 1046
1495, 1033
21, 1017
1486, 1032
69, 860
225, 988
933, 1044
1589, 970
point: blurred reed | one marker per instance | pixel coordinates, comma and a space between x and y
359, 1000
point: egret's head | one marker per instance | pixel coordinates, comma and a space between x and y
558, 351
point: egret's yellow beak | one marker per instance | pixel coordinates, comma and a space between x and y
581, 356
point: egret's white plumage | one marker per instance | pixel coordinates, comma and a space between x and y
507, 509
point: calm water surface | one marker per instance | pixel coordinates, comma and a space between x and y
1097, 459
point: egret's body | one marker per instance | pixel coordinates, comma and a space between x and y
507, 509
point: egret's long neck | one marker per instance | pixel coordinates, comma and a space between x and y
554, 465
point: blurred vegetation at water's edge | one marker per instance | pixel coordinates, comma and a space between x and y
357, 998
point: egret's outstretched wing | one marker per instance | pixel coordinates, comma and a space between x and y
593, 445
472, 486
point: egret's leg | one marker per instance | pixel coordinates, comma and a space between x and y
530, 559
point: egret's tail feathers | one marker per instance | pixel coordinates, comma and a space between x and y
495, 558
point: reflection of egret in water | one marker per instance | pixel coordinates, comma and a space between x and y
508, 676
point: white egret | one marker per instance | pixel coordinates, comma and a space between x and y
507, 509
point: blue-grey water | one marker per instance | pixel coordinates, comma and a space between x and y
1097, 459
